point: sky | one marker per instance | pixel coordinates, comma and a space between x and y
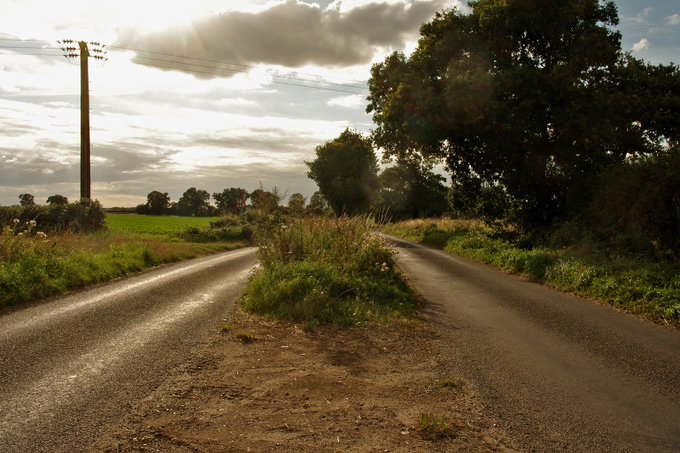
266, 83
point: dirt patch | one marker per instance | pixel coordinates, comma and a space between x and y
264, 386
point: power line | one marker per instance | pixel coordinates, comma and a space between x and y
219, 71
194, 67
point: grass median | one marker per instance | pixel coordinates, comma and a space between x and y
327, 271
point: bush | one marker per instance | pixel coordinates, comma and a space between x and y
323, 270
72, 218
637, 207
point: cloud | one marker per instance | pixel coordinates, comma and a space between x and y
673, 19
642, 44
351, 101
290, 34
642, 16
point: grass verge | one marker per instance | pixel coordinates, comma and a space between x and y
327, 271
642, 287
34, 266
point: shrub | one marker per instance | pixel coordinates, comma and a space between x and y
331, 271
73, 217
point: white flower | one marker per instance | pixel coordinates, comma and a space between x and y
15, 221
40, 235
33, 223
20, 234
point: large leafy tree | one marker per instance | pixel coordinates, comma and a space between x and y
265, 201
296, 204
518, 94
231, 200
57, 200
194, 202
26, 199
411, 189
157, 203
346, 171
317, 204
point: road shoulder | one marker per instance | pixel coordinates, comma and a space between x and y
362, 389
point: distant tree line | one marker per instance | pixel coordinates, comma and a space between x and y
234, 200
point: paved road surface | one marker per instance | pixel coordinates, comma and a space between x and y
70, 367
560, 373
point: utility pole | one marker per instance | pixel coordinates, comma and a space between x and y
97, 52
85, 180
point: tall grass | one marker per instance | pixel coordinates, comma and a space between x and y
330, 271
34, 265
642, 287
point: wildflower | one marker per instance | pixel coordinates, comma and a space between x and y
15, 221
33, 223
40, 235
384, 267
20, 234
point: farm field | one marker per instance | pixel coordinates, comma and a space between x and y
34, 267
154, 225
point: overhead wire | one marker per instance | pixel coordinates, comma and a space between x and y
193, 65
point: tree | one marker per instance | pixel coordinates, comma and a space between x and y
57, 200
411, 189
524, 98
157, 203
194, 202
26, 199
346, 171
296, 204
232, 200
317, 204
264, 201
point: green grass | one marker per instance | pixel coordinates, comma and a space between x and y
32, 267
642, 287
168, 226
432, 427
327, 271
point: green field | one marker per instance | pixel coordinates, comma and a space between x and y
154, 225
35, 266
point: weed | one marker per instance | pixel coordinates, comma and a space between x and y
246, 337
327, 271
432, 427
452, 383
226, 328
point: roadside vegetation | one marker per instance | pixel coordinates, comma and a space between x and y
638, 285
327, 271
35, 263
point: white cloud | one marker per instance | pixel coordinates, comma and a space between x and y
642, 44
236, 102
643, 15
673, 19
351, 101
290, 33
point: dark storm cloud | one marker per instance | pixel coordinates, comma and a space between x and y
290, 34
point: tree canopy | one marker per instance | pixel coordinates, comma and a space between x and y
194, 202
346, 171
411, 189
57, 200
231, 200
519, 97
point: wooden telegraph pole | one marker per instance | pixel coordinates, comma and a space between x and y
85, 180
97, 52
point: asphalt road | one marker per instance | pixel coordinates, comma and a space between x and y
559, 373
71, 367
